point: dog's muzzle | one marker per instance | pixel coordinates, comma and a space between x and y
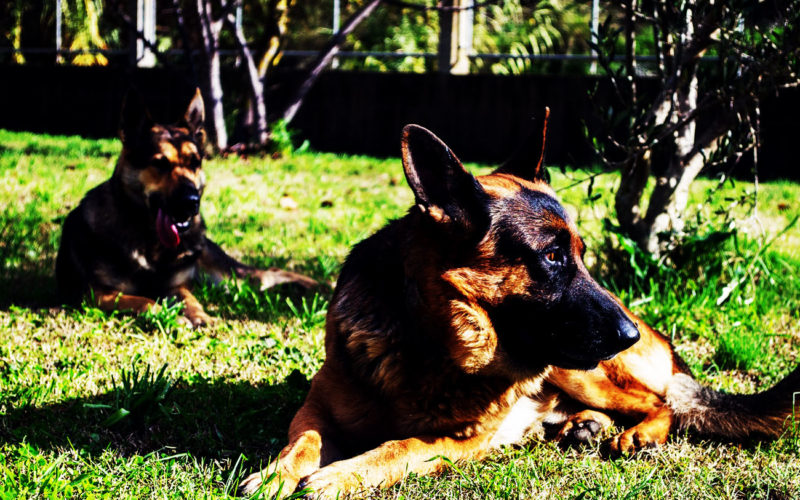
184, 203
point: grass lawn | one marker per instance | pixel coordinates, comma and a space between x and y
100, 405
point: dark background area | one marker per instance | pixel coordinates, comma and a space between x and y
483, 117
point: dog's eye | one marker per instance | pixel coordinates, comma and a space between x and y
555, 256
162, 163
194, 162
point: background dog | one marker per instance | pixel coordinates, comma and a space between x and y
139, 236
472, 321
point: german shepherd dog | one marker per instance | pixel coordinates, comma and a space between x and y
139, 236
472, 321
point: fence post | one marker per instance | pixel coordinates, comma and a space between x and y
337, 12
144, 11
460, 65
455, 36
59, 59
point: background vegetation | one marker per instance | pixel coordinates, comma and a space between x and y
96, 404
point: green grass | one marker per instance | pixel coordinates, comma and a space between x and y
96, 404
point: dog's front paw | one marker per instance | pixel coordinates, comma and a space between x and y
583, 432
328, 482
254, 485
629, 442
196, 319
583, 428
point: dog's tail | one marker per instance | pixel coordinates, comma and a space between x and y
735, 416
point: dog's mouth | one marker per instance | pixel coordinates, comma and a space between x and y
576, 363
169, 230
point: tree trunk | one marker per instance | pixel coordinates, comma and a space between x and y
636, 169
220, 134
210, 29
256, 85
277, 24
664, 129
668, 200
627, 201
665, 208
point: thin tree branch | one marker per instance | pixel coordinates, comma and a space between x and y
256, 86
326, 55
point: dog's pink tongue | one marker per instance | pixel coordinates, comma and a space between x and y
166, 230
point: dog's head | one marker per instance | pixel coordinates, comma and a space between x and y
160, 166
511, 265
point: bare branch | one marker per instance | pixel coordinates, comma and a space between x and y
256, 86
326, 55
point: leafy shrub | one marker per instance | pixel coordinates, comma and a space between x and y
139, 394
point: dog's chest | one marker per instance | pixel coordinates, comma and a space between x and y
141, 259
163, 269
524, 418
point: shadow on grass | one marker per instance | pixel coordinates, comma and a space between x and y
237, 300
31, 288
28, 245
209, 419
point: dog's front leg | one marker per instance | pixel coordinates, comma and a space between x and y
302, 456
114, 300
219, 265
192, 309
596, 390
393, 461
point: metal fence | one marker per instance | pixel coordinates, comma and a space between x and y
454, 52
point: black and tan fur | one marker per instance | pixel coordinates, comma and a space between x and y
472, 321
139, 236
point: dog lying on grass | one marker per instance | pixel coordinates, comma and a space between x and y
139, 236
472, 321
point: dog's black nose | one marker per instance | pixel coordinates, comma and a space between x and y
192, 202
627, 333
186, 202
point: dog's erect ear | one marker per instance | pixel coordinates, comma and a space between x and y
195, 117
441, 185
527, 162
134, 121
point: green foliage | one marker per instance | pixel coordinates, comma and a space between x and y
82, 23
138, 394
165, 319
87, 25
511, 26
651, 126
525, 29
738, 277
282, 139
392, 29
